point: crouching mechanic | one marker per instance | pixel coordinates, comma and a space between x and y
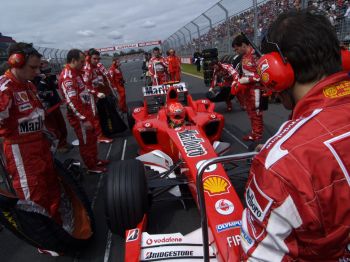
225, 76
79, 110
298, 190
29, 161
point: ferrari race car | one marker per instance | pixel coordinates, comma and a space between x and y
174, 159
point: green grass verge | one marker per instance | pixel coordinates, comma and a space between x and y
191, 69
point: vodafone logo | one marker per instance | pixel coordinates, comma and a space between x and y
163, 240
149, 241
224, 207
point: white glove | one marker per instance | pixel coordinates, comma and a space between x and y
210, 89
101, 95
243, 80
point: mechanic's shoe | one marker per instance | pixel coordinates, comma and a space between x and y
103, 139
102, 162
48, 252
252, 137
98, 170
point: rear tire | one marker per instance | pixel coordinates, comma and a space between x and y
126, 198
42, 231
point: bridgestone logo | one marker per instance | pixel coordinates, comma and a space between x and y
252, 203
150, 255
192, 144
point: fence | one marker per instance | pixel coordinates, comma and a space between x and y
217, 26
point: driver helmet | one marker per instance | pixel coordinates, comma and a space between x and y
176, 115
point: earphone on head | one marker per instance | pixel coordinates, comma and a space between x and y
19, 58
277, 74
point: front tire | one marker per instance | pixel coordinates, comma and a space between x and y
126, 199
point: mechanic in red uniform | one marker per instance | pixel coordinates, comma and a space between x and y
98, 86
173, 63
228, 76
117, 79
248, 85
29, 161
79, 110
298, 190
157, 68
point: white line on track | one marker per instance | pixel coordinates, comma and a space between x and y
100, 180
109, 234
235, 138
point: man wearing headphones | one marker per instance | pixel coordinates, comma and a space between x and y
298, 190
249, 87
27, 152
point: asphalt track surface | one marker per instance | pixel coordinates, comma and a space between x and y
164, 217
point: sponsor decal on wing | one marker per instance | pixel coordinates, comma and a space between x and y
228, 225
191, 143
224, 207
133, 235
216, 185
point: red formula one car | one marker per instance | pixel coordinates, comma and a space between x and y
176, 135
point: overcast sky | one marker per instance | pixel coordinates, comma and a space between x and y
83, 24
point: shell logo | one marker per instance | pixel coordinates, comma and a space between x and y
216, 185
265, 77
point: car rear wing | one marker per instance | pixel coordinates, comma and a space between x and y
162, 89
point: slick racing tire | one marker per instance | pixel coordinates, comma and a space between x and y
42, 232
126, 198
131, 106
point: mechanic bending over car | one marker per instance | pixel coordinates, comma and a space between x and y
46, 84
118, 82
98, 85
225, 76
29, 161
79, 110
173, 64
157, 68
298, 190
248, 87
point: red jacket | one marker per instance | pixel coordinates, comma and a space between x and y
116, 75
158, 70
298, 191
227, 73
95, 79
249, 68
173, 63
21, 113
77, 96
